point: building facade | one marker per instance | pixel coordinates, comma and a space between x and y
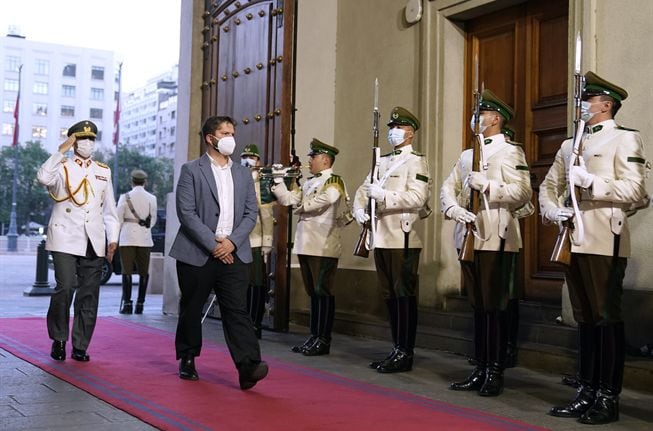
59, 86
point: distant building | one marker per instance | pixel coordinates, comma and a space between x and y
59, 86
149, 116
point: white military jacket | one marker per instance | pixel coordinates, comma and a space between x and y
84, 207
317, 205
131, 233
404, 174
262, 234
509, 189
615, 155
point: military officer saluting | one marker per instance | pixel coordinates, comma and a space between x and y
611, 173
317, 240
83, 221
401, 191
504, 187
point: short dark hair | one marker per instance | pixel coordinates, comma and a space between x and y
616, 105
138, 182
211, 124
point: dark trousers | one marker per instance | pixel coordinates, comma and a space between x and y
229, 282
78, 277
258, 291
138, 255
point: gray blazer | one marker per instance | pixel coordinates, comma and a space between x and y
198, 211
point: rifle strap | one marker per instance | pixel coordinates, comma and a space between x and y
131, 208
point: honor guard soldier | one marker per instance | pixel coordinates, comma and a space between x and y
260, 239
317, 240
610, 172
83, 221
137, 215
504, 187
401, 193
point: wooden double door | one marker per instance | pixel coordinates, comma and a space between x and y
523, 59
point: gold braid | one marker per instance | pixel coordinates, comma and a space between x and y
71, 194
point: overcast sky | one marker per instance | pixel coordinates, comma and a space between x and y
144, 34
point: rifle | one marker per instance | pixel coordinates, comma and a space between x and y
562, 249
365, 241
466, 253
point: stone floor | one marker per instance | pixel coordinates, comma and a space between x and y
31, 399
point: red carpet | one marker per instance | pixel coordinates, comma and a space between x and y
291, 398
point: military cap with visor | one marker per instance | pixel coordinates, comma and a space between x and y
490, 102
597, 86
251, 150
403, 117
508, 131
319, 147
139, 175
83, 130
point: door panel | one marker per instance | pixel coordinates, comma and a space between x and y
522, 54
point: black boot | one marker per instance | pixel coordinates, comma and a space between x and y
497, 339
611, 373
313, 326
398, 362
391, 304
402, 358
142, 290
326, 312
126, 302
587, 376
477, 378
513, 331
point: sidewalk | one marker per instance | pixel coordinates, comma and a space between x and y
31, 399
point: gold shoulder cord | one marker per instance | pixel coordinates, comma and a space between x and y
71, 195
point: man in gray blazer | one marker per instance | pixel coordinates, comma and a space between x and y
217, 208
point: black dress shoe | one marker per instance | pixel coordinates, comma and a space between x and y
249, 380
604, 410
58, 352
139, 308
301, 347
80, 355
320, 347
472, 383
187, 369
493, 385
375, 364
575, 409
126, 307
398, 363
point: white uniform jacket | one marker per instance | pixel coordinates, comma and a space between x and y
317, 204
509, 189
261, 235
404, 174
615, 155
84, 207
131, 233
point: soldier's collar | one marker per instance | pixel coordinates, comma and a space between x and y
402, 150
603, 125
499, 137
325, 172
81, 162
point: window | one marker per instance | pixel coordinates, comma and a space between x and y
97, 93
11, 85
40, 109
172, 115
40, 88
172, 131
97, 72
70, 70
12, 63
39, 132
67, 111
96, 113
68, 90
63, 133
42, 67
7, 129
8, 105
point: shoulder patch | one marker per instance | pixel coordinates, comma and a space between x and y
521, 167
422, 177
102, 165
636, 160
417, 154
627, 128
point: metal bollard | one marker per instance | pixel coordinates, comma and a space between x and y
41, 286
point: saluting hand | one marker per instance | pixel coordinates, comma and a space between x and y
67, 144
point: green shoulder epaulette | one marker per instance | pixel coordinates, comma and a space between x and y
335, 180
627, 128
102, 165
417, 154
518, 144
521, 167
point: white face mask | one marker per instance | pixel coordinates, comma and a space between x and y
481, 127
85, 148
396, 136
226, 146
585, 113
247, 162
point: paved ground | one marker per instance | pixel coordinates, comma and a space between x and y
31, 399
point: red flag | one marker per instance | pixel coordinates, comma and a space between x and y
116, 122
15, 142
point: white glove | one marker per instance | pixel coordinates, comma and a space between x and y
559, 214
375, 192
265, 250
361, 216
277, 180
461, 215
478, 181
580, 177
